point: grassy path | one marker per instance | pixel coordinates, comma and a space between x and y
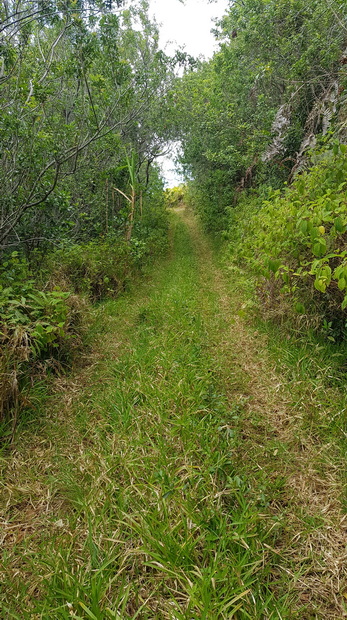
177, 476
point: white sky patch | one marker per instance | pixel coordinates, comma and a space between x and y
167, 164
186, 25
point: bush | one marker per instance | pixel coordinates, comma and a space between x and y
42, 318
44, 325
174, 196
34, 325
298, 238
150, 232
97, 269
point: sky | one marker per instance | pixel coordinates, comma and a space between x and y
186, 24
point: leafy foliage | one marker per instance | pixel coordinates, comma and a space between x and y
34, 325
174, 196
78, 92
42, 316
268, 112
38, 317
298, 237
248, 116
80, 84
98, 269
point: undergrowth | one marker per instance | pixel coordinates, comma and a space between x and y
45, 307
294, 241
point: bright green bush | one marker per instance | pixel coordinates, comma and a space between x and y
39, 316
174, 196
299, 237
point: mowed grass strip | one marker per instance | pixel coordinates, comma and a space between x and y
127, 501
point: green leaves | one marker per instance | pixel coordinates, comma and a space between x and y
80, 91
248, 117
340, 274
323, 278
339, 224
40, 316
319, 247
299, 236
274, 265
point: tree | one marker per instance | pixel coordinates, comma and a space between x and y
77, 82
247, 116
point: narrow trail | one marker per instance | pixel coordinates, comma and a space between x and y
279, 438
177, 476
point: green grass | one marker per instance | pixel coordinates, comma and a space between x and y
156, 487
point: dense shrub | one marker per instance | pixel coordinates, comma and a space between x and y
210, 200
150, 235
174, 196
42, 318
298, 238
102, 268
34, 325
97, 269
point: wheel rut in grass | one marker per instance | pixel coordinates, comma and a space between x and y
174, 477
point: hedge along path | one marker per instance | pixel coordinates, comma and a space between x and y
176, 475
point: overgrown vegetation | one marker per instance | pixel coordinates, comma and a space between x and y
195, 468
175, 196
166, 524
79, 93
80, 85
34, 324
295, 242
44, 313
180, 474
269, 111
